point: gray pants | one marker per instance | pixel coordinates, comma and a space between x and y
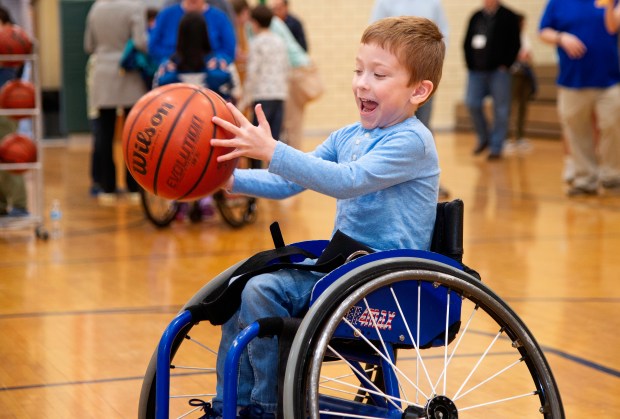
594, 163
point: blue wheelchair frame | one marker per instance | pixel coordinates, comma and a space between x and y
383, 315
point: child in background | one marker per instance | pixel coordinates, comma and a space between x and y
195, 62
267, 71
383, 172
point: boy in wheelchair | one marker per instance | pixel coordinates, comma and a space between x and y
383, 171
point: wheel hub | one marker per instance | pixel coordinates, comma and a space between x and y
441, 407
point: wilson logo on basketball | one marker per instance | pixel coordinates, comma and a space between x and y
187, 153
142, 145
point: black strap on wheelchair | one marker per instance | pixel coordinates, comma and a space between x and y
221, 304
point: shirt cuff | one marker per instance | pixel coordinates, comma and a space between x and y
278, 158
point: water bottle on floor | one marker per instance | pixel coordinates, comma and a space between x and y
55, 218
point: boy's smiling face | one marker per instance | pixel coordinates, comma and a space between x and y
381, 90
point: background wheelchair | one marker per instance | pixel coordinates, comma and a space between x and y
393, 334
235, 210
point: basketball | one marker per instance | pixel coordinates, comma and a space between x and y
17, 94
17, 148
14, 41
166, 142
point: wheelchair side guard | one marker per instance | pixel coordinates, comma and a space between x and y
380, 309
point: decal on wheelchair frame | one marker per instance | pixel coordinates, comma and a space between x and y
363, 317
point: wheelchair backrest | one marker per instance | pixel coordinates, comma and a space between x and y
448, 230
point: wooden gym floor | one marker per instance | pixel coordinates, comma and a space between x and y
81, 315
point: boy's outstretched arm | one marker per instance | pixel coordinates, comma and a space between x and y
250, 141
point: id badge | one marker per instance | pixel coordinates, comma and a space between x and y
479, 41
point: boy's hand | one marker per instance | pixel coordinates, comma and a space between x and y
250, 141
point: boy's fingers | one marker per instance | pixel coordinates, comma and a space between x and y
229, 156
232, 128
237, 114
260, 116
218, 142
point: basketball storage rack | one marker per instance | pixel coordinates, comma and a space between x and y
33, 172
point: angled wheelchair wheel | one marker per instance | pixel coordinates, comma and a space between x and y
236, 210
413, 338
193, 361
159, 211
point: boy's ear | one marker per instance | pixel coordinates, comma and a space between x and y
422, 91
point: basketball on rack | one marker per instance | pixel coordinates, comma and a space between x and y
17, 94
17, 148
166, 142
14, 41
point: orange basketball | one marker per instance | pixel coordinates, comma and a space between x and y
13, 41
17, 94
166, 142
17, 148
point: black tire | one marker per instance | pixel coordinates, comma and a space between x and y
508, 361
159, 211
197, 381
237, 210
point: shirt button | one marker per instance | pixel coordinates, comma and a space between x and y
357, 141
355, 157
367, 135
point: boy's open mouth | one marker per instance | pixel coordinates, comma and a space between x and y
367, 105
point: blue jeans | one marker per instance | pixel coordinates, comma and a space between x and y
284, 293
496, 84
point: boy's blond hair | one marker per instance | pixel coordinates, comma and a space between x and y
415, 41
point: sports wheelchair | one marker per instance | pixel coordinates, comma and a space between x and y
392, 334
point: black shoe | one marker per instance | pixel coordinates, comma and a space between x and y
581, 191
254, 411
205, 407
480, 148
494, 157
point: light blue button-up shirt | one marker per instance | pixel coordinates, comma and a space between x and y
385, 181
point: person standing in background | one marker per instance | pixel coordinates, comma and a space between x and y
491, 45
588, 83
109, 25
163, 39
280, 9
523, 89
242, 17
300, 64
430, 9
267, 71
224, 5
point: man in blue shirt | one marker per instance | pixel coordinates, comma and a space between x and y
588, 83
163, 37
